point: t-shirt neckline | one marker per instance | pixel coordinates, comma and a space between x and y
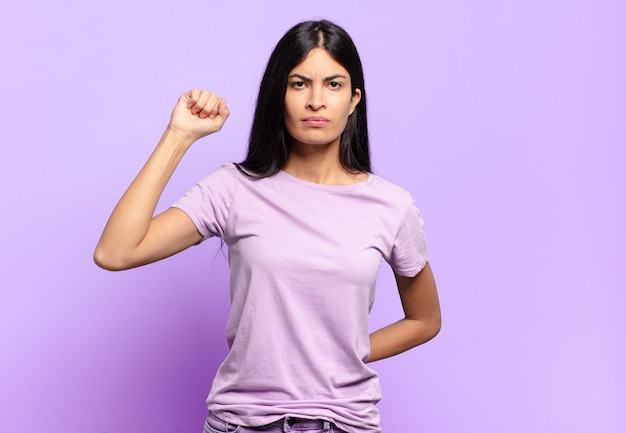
286, 177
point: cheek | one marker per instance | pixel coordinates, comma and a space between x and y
290, 112
352, 105
349, 108
289, 121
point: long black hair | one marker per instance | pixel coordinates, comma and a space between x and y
268, 146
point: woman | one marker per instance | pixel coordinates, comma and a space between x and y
307, 226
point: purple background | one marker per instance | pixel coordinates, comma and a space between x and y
506, 120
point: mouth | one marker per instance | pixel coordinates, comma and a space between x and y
316, 121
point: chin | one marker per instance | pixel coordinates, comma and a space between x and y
315, 141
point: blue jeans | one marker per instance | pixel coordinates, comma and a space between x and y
288, 424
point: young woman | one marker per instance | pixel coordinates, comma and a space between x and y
307, 225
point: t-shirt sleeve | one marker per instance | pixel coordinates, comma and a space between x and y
208, 202
409, 252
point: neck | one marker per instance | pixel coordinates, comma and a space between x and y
319, 165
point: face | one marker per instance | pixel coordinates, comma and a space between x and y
319, 100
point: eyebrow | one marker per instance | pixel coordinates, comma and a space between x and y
329, 78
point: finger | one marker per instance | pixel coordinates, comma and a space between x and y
203, 97
209, 107
216, 107
223, 109
191, 97
222, 115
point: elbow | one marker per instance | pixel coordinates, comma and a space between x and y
435, 326
435, 323
108, 261
433, 320
432, 326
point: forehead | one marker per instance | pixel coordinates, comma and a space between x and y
319, 62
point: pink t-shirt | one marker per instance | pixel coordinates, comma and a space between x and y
304, 259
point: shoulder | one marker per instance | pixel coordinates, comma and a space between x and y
226, 172
389, 190
218, 186
398, 202
225, 178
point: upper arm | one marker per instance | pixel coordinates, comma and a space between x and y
168, 233
419, 297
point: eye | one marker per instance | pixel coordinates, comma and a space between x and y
335, 85
297, 84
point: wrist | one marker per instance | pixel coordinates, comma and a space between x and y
178, 138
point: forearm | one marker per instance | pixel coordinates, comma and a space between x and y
131, 218
422, 317
400, 337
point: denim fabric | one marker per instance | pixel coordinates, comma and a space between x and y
286, 425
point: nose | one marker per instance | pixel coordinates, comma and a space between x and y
316, 98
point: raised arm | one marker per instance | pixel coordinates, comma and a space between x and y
422, 317
133, 236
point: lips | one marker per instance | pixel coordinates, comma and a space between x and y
316, 121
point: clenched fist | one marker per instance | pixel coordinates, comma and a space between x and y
198, 113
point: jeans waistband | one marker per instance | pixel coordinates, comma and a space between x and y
304, 424
288, 424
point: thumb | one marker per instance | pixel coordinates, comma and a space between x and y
222, 113
222, 109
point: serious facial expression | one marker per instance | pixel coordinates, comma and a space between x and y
319, 100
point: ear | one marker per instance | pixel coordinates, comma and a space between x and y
354, 101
